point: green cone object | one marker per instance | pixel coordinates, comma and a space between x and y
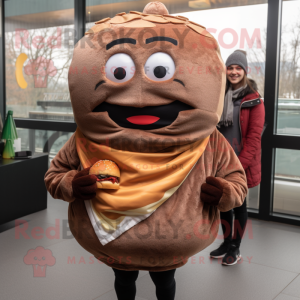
9, 131
8, 151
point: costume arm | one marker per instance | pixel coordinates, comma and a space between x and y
253, 138
63, 168
231, 175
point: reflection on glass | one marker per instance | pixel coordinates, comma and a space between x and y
287, 182
38, 50
289, 77
39, 141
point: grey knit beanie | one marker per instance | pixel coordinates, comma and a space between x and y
238, 57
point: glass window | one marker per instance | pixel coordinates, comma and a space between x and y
99, 9
39, 39
231, 24
288, 121
234, 29
39, 141
253, 198
287, 182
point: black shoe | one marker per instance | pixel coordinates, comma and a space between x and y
232, 256
221, 251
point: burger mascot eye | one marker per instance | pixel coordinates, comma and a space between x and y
159, 67
146, 170
119, 68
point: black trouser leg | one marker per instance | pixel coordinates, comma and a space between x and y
125, 284
165, 284
227, 220
240, 222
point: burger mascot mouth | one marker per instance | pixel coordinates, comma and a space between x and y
148, 106
146, 118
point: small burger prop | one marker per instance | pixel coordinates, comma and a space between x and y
108, 174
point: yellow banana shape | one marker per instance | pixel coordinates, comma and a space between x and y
19, 70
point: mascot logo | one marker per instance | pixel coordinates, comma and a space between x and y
19, 73
39, 258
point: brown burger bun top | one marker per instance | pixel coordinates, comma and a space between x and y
105, 167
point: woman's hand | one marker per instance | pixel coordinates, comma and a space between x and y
84, 185
211, 191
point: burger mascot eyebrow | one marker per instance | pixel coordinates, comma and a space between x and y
153, 114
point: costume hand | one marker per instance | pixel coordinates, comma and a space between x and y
84, 185
211, 191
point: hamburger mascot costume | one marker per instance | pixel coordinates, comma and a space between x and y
146, 173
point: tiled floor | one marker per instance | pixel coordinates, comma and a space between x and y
270, 267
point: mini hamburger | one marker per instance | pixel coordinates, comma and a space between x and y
108, 174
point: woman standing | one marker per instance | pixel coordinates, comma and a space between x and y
241, 124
